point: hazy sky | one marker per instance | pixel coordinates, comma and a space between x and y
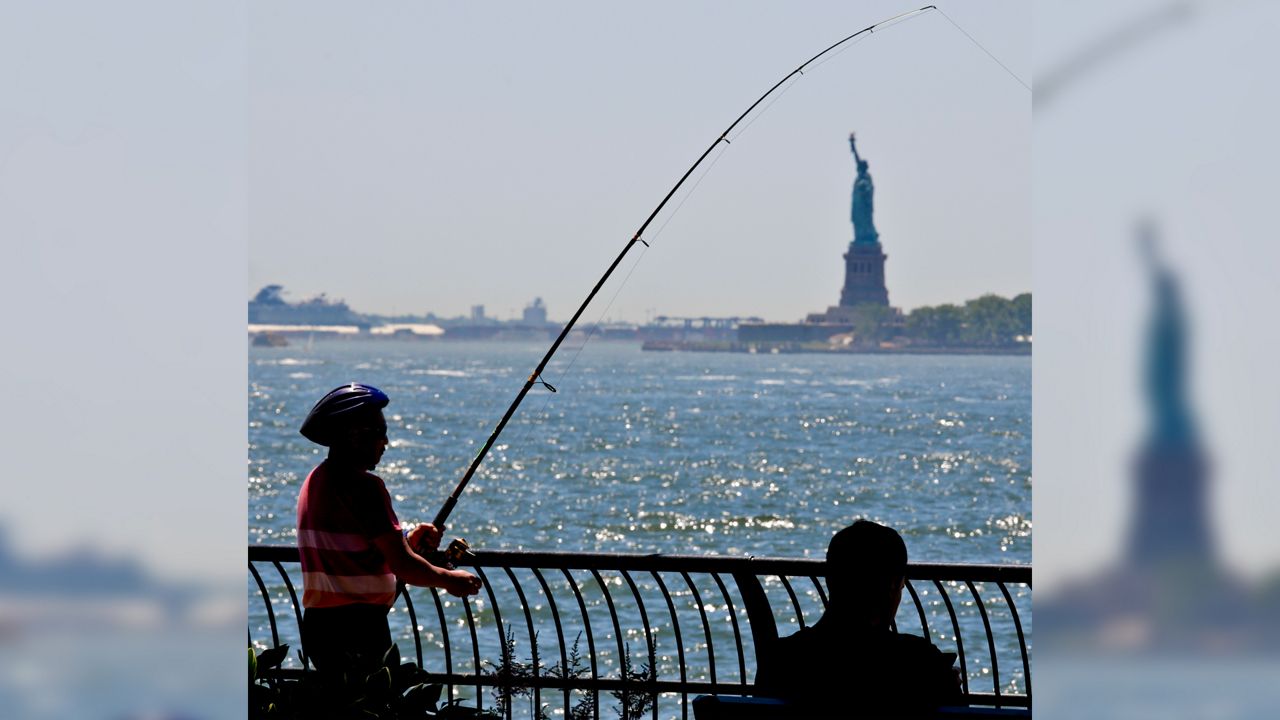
122, 208
416, 157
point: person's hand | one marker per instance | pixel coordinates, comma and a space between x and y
425, 538
461, 583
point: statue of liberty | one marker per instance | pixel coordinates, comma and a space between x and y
864, 229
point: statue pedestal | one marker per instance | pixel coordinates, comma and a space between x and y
864, 275
1170, 515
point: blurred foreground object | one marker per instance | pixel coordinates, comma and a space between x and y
84, 635
1169, 593
1158, 601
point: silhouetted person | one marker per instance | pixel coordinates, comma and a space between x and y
852, 663
349, 538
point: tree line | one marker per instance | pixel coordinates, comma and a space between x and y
987, 321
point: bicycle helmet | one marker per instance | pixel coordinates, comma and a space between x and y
338, 407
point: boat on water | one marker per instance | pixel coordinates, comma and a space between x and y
269, 307
270, 339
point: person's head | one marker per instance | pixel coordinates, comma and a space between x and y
866, 570
349, 421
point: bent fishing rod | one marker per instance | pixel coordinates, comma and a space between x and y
535, 378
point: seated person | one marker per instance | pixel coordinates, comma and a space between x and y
852, 663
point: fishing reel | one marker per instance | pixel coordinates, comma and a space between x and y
457, 552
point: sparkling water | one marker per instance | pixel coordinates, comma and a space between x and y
742, 454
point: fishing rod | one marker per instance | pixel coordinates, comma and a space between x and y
457, 548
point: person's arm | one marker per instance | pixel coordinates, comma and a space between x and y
413, 569
943, 680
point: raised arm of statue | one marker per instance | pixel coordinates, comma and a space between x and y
857, 160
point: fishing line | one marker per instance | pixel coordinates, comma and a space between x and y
789, 82
535, 378
720, 151
564, 374
683, 200
541, 414
983, 49
839, 52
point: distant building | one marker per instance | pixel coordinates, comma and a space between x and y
672, 329
535, 313
477, 313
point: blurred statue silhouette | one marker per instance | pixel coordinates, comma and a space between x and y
1170, 525
1169, 592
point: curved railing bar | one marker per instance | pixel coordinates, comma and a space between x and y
555, 615
617, 628
413, 622
795, 601
644, 616
266, 600
475, 654
650, 649
737, 632
444, 631
591, 643
991, 639
297, 610
675, 626
924, 621
502, 632
533, 636
706, 627
821, 593
1022, 640
955, 626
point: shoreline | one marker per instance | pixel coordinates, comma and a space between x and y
752, 349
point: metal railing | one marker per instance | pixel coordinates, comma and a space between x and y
660, 629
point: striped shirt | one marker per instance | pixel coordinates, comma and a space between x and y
340, 512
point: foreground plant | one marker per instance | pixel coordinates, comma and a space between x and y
394, 690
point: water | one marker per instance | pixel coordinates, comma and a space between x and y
669, 452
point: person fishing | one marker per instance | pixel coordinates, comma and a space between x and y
350, 541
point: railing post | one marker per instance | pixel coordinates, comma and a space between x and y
764, 630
